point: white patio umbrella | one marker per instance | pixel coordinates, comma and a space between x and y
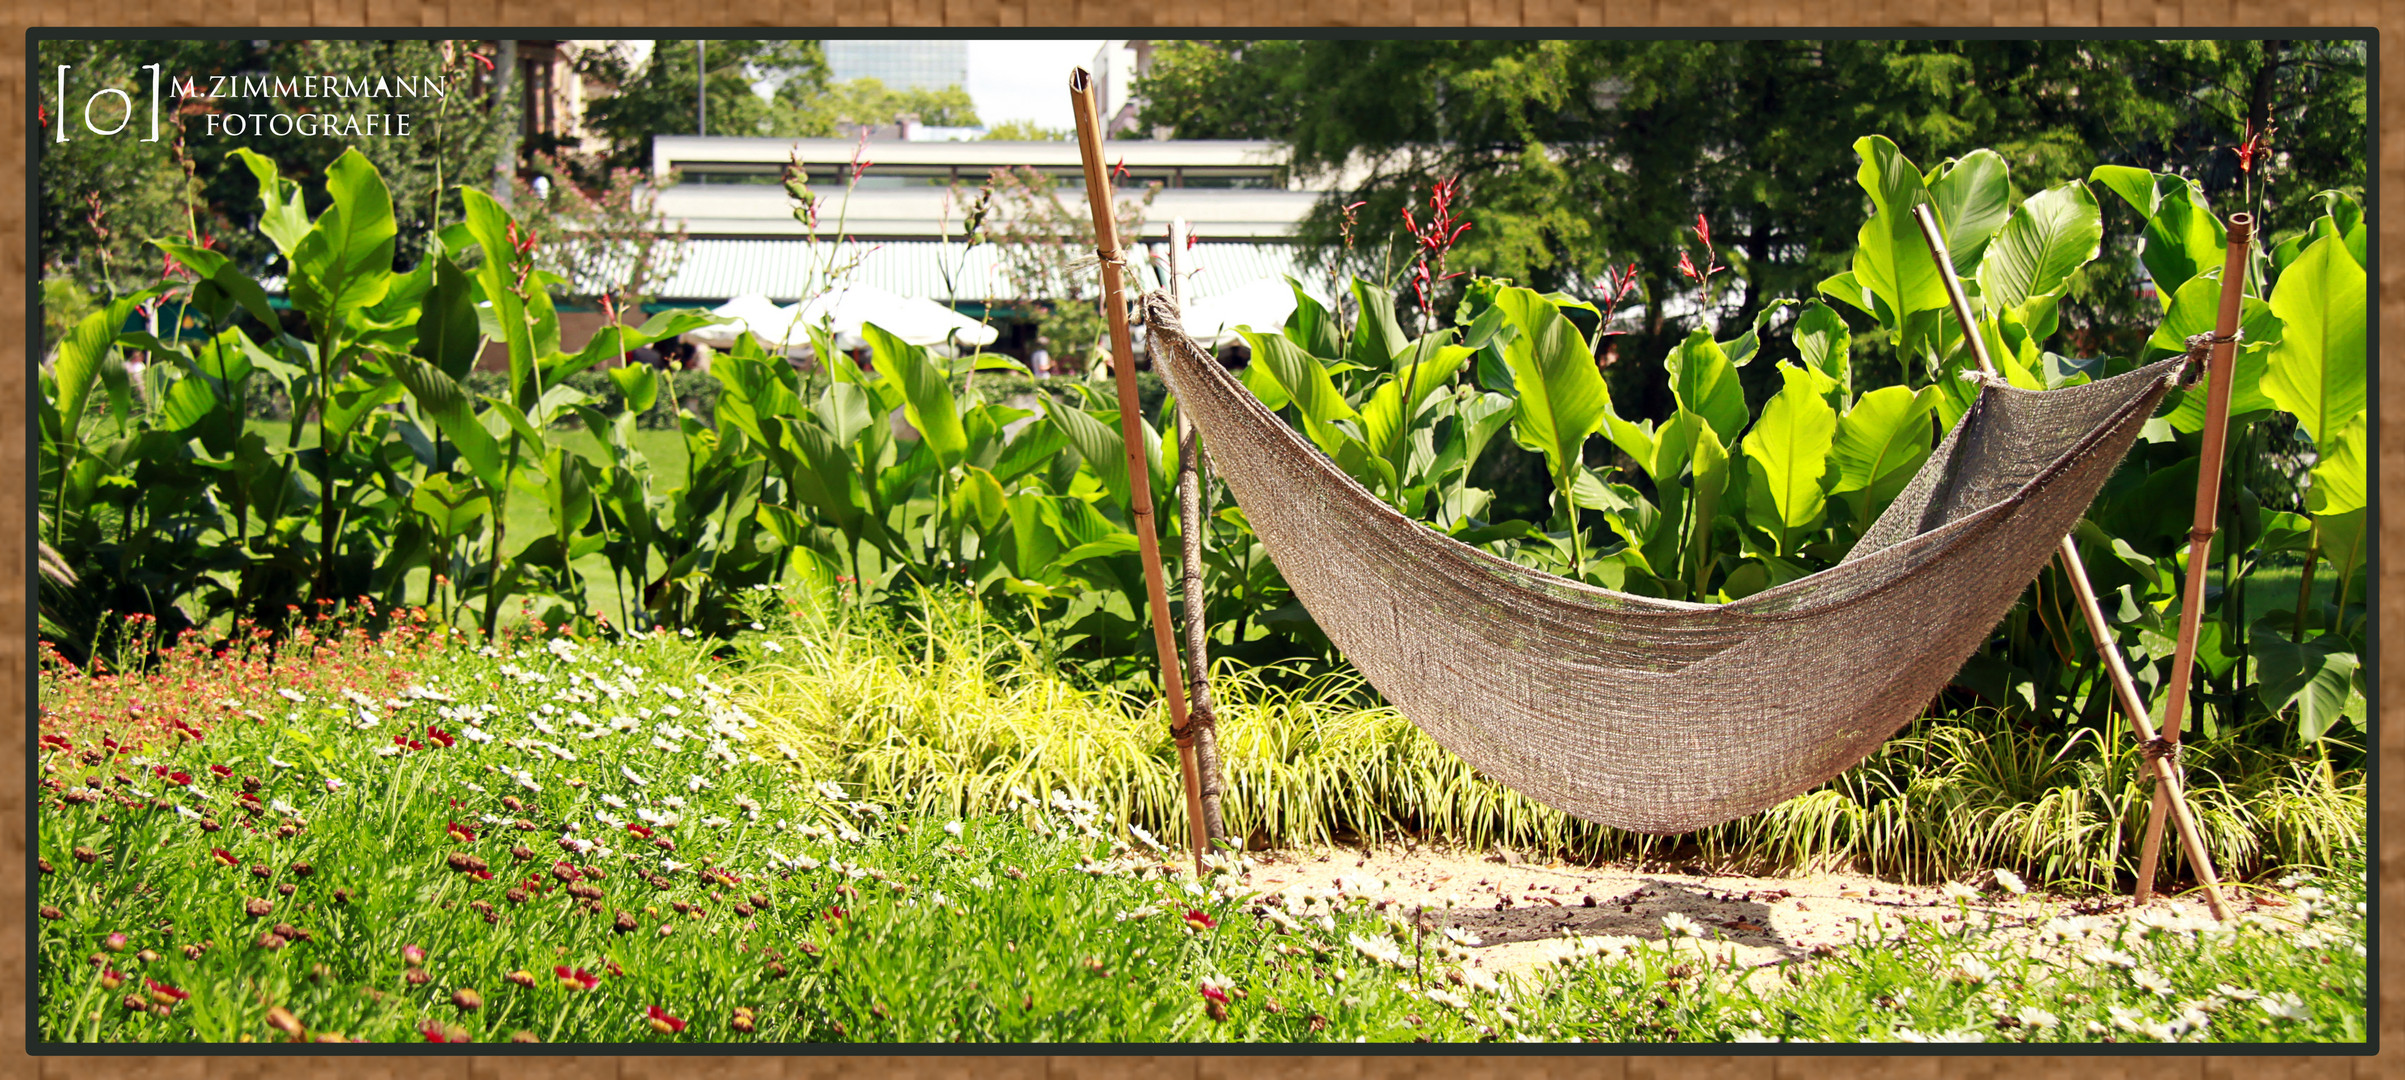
1262, 304
914, 320
754, 312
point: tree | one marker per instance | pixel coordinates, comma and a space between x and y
827, 110
1577, 156
657, 95
1027, 131
184, 186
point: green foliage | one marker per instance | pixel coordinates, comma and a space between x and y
921, 470
871, 103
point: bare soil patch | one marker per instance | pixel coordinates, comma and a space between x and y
1526, 913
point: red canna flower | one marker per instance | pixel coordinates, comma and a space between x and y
576, 978
662, 1022
2253, 147
481, 60
1687, 266
1119, 169
1703, 229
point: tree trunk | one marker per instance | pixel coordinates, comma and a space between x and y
505, 119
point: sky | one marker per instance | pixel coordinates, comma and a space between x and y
1026, 80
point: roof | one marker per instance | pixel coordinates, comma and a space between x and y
790, 270
764, 210
685, 151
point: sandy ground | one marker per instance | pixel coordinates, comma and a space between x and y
1528, 913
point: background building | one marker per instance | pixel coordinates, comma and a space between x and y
900, 65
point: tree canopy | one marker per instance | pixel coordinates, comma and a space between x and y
1577, 156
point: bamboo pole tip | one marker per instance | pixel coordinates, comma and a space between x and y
2242, 227
1079, 79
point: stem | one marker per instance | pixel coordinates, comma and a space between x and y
2304, 590
492, 573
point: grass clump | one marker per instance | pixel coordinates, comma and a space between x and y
949, 712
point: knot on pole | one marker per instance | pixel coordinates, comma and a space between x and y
2159, 748
2200, 353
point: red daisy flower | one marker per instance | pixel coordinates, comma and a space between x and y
576, 978
662, 1022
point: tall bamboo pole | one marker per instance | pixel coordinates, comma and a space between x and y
1131, 430
2167, 792
1191, 511
2200, 535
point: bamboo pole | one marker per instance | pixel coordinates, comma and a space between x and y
2124, 688
1131, 430
1190, 518
2208, 507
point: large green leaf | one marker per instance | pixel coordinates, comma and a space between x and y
1891, 259
345, 261
1311, 327
282, 217
2183, 238
827, 479
1705, 383
926, 394
448, 335
2051, 235
2318, 370
1386, 419
449, 507
81, 356
1562, 396
1741, 349
1788, 451
1879, 444
1378, 338
2340, 483
1971, 196
639, 385
453, 410
1301, 374
490, 224
1100, 444
1825, 344
2315, 676
2341, 539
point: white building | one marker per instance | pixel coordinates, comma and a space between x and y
1237, 197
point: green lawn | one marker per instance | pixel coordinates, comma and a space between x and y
406, 841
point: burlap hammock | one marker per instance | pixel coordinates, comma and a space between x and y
1656, 715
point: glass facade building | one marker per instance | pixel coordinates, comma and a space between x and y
922, 65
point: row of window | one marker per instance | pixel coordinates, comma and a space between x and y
907, 176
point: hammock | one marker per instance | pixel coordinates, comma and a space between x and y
1657, 715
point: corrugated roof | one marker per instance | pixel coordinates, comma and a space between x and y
788, 271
